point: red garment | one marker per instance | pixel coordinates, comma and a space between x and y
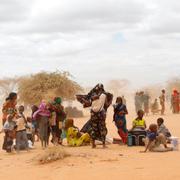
123, 136
9, 107
175, 102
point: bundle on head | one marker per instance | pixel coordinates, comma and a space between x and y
52, 154
86, 99
83, 99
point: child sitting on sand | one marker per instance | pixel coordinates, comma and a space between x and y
162, 128
154, 140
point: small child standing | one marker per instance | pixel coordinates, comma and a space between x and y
29, 130
34, 108
21, 135
9, 131
21, 112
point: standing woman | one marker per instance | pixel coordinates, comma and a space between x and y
60, 118
120, 112
98, 130
42, 115
9, 107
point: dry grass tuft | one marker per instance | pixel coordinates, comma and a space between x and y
52, 154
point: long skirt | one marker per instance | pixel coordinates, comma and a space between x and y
86, 128
44, 130
120, 123
8, 142
98, 130
21, 140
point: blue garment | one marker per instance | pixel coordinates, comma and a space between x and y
151, 135
120, 120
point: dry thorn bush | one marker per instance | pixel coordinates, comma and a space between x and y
52, 154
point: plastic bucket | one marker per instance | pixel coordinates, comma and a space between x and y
175, 143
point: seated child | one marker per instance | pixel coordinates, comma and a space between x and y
139, 122
9, 131
162, 128
74, 137
154, 140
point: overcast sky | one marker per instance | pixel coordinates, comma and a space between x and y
95, 40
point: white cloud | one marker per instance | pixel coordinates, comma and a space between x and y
94, 40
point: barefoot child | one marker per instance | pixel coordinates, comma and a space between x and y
35, 124
9, 131
162, 128
29, 130
154, 140
21, 135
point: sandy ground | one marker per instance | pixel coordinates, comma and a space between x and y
115, 162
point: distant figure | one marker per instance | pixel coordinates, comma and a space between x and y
162, 101
155, 107
137, 101
120, 112
146, 98
175, 102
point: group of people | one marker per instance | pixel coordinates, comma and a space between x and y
99, 100
14, 125
142, 102
49, 119
153, 137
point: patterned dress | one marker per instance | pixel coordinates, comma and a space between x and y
98, 130
120, 121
